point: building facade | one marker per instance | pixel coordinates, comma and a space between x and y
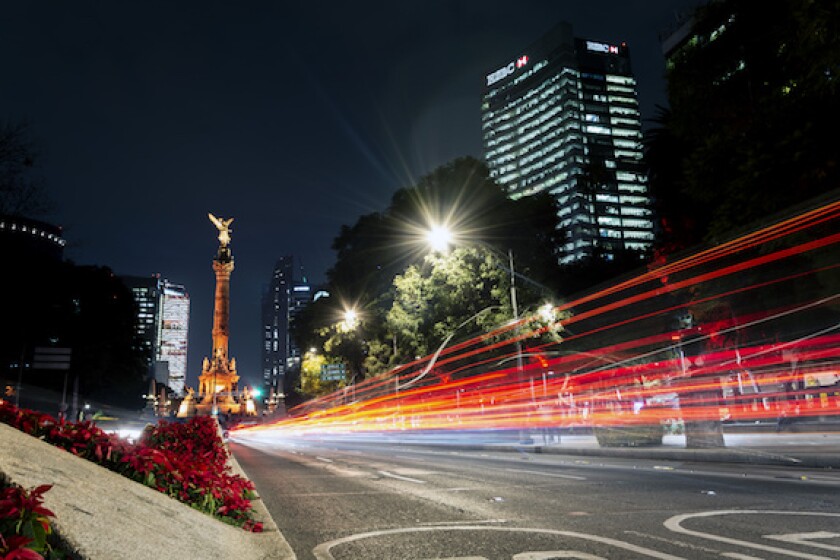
287, 294
162, 326
146, 292
25, 239
562, 116
173, 334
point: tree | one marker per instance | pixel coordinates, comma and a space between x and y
87, 309
432, 299
462, 195
310, 374
21, 189
391, 244
753, 98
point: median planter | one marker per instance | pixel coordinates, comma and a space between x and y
629, 436
188, 462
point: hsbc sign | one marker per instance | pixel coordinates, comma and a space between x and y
601, 47
506, 70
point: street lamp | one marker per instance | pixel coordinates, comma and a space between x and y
439, 238
351, 319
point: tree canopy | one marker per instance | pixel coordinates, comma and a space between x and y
84, 308
21, 188
753, 99
409, 300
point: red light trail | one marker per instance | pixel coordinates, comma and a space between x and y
744, 331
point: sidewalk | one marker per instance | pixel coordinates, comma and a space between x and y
812, 449
756, 444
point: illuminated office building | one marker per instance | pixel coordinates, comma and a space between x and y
286, 295
162, 327
562, 116
173, 335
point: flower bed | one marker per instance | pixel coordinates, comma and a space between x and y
186, 461
24, 524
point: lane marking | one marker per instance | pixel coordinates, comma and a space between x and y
682, 544
674, 524
322, 551
805, 539
400, 477
324, 459
444, 523
552, 554
414, 472
738, 556
554, 475
321, 494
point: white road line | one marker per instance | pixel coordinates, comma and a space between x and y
806, 538
444, 523
673, 541
400, 477
324, 459
674, 524
738, 556
322, 551
554, 475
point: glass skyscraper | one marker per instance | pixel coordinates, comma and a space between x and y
562, 116
162, 326
173, 337
284, 298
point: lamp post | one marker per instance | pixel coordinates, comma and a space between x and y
439, 238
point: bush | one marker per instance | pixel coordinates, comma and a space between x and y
24, 524
185, 461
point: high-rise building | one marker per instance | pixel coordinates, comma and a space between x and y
162, 326
287, 294
173, 336
562, 116
25, 239
146, 292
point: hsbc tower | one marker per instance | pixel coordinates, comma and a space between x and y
562, 116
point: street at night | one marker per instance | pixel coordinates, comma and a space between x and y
420, 280
345, 499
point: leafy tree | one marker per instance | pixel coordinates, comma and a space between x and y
753, 98
310, 374
432, 299
461, 195
87, 309
381, 263
21, 189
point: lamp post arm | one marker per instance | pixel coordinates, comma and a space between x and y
435, 356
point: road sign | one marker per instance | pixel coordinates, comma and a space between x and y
333, 372
50, 358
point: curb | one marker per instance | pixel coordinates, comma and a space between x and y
274, 539
736, 455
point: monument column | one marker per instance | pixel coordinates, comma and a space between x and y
218, 379
221, 310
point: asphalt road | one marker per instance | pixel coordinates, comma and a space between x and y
347, 500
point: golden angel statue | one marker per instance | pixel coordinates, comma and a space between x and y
223, 227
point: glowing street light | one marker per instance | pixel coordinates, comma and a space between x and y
351, 319
439, 238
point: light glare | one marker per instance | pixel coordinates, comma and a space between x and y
439, 238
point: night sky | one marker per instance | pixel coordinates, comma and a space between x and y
293, 118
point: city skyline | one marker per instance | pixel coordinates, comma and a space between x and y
293, 122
